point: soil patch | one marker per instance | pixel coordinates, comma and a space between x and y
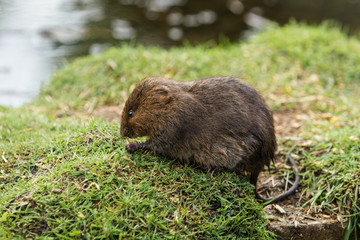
288, 218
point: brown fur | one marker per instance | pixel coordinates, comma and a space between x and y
216, 122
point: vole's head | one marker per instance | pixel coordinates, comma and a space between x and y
147, 108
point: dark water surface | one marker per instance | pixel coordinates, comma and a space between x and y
38, 36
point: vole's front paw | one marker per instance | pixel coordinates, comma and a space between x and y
132, 147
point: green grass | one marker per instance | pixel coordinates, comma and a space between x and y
84, 184
62, 176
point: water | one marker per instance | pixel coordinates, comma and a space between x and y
23, 63
39, 36
29, 52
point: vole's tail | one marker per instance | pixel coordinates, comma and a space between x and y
280, 197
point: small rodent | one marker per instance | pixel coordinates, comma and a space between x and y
216, 122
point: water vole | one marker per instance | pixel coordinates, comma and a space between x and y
216, 122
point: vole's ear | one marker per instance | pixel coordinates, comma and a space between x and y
162, 90
163, 94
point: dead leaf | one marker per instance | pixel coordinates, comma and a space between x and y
280, 209
171, 73
313, 78
3, 157
127, 158
319, 152
294, 156
176, 216
112, 64
335, 119
78, 187
296, 224
270, 179
354, 138
80, 215
56, 190
307, 143
93, 184
287, 89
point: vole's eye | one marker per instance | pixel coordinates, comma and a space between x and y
131, 113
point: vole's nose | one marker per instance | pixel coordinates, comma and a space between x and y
125, 131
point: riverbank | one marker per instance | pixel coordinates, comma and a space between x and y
65, 172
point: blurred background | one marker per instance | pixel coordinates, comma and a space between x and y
39, 36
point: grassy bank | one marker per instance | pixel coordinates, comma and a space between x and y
65, 176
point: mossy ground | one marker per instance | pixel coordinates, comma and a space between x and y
64, 176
